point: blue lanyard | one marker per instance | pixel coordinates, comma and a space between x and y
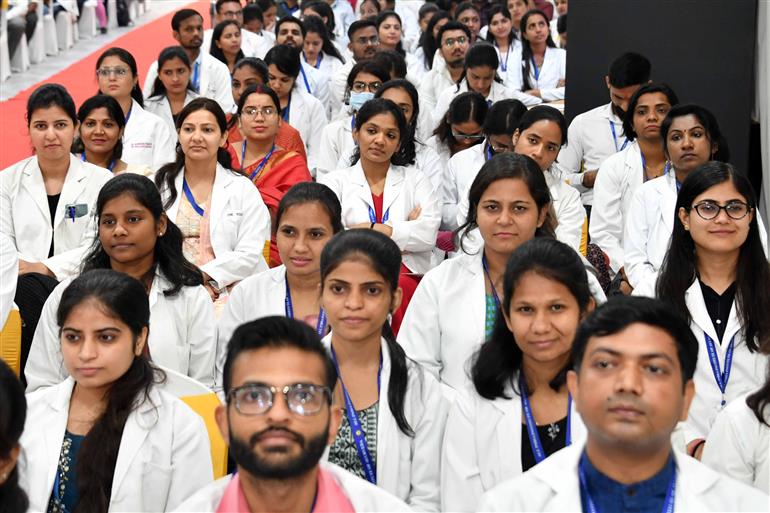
191, 198
373, 215
196, 76
666, 168
110, 167
491, 284
615, 138
534, 436
286, 110
668, 503
488, 152
304, 78
352, 122
721, 377
359, 437
536, 70
262, 163
504, 65
320, 327
128, 116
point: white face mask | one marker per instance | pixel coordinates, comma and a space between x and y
357, 100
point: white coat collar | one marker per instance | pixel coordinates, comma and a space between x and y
222, 180
609, 114
73, 187
700, 316
396, 175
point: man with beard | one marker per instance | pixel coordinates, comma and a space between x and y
290, 31
453, 40
596, 134
278, 420
633, 361
363, 44
210, 77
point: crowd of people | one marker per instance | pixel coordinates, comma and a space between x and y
313, 206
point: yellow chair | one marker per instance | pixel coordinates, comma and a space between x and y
204, 402
10, 342
205, 405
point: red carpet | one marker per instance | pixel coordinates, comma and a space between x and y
145, 43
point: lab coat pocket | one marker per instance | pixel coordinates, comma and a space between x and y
156, 480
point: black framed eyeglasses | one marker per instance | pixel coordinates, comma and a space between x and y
709, 210
302, 398
468, 137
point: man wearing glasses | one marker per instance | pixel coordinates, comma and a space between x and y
278, 419
453, 41
363, 44
253, 45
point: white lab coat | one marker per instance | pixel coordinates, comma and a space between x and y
441, 332
160, 106
461, 170
182, 335
147, 140
433, 83
553, 485
444, 154
336, 142
497, 92
482, 446
618, 179
257, 296
738, 445
308, 115
405, 189
554, 68
747, 372
317, 84
239, 224
338, 85
570, 215
326, 69
26, 219
647, 234
252, 45
408, 467
9, 273
164, 454
511, 75
215, 82
589, 143
363, 496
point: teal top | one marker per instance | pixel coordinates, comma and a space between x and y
64, 496
490, 316
343, 451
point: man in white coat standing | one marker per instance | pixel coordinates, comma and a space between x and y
634, 361
278, 421
210, 77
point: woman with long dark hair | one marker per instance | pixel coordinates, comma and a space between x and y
107, 437
381, 193
172, 89
223, 219
716, 276
395, 443
135, 237
691, 137
625, 171
428, 45
461, 127
544, 66
146, 139
508, 46
519, 411
319, 49
226, 43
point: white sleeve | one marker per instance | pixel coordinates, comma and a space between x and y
9, 275
430, 166
45, 364
450, 197
571, 218
426, 444
317, 121
635, 238
235, 313
164, 145
149, 79
246, 257
420, 333
328, 154
224, 94
461, 487
420, 234
606, 226
571, 157
731, 444
201, 336
191, 467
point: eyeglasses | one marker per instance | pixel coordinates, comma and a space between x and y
106, 72
374, 40
360, 87
451, 41
231, 14
709, 210
467, 137
253, 112
303, 398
